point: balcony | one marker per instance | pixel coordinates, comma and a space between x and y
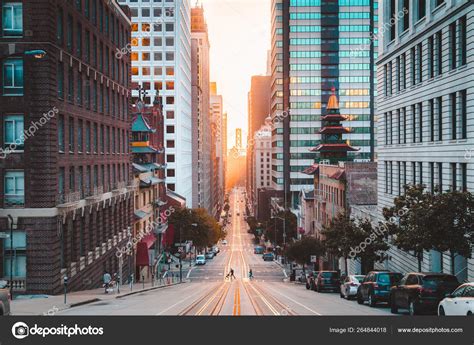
68, 199
94, 193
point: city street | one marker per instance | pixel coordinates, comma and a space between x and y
207, 292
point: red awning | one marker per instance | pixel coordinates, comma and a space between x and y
142, 254
149, 240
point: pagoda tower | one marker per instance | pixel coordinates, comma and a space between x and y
333, 148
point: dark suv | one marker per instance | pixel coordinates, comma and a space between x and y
376, 287
422, 292
328, 281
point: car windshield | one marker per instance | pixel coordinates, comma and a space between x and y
359, 278
435, 281
329, 274
387, 278
200, 257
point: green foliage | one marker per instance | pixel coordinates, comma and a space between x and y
275, 229
300, 251
207, 232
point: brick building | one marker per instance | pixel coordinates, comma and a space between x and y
66, 187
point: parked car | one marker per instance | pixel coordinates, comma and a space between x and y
328, 281
201, 260
376, 287
302, 277
4, 298
258, 250
311, 280
224, 242
460, 302
349, 286
209, 255
215, 250
268, 257
421, 292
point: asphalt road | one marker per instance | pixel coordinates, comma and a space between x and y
207, 292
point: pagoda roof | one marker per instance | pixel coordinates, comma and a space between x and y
334, 130
334, 117
333, 148
141, 125
340, 174
312, 170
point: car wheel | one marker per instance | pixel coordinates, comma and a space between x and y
469, 313
372, 301
393, 306
412, 308
359, 298
307, 286
441, 311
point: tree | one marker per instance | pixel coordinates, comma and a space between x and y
353, 239
275, 230
301, 251
421, 220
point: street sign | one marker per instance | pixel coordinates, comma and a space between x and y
4, 235
314, 258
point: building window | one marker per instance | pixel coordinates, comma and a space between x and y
12, 19
452, 45
386, 177
412, 67
419, 64
61, 143
453, 115
403, 68
453, 177
13, 126
432, 177
420, 122
80, 139
72, 179
406, 16
14, 188
432, 119
393, 19
464, 176
79, 89
421, 9
440, 118
17, 254
463, 41
398, 73
60, 27
71, 134
70, 82
463, 114
60, 81
69, 35
13, 77
413, 169
420, 168
413, 122
431, 57
61, 184
88, 137
440, 177
439, 52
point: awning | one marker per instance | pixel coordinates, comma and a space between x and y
140, 214
153, 166
144, 149
139, 168
160, 202
142, 254
161, 228
149, 239
176, 199
151, 181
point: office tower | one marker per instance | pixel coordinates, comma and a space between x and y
201, 111
316, 46
217, 150
161, 64
258, 111
65, 179
260, 161
425, 110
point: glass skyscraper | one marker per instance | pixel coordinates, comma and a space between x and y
316, 46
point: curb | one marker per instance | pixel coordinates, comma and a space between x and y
146, 290
88, 301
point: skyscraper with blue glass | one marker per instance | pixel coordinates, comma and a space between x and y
316, 46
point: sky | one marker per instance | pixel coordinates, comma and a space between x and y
239, 33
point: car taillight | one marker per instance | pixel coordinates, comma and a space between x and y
425, 290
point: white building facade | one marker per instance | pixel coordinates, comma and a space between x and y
425, 110
161, 64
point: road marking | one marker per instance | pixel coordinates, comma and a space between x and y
236, 310
291, 299
178, 303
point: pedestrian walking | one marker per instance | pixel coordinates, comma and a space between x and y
232, 274
107, 279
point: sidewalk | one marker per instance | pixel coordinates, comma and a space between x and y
50, 305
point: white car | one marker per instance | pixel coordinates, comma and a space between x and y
201, 260
224, 242
460, 302
350, 285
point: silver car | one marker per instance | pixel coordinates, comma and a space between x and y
4, 298
350, 285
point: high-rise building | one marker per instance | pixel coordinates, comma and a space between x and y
225, 149
316, 46
161, 64
217, 150
65, 177
201, 111
258, 111
426, 110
